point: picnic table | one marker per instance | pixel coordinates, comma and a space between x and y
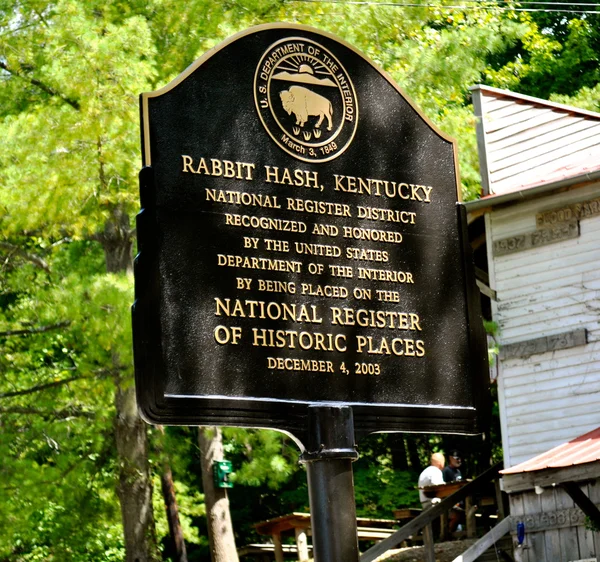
298, 524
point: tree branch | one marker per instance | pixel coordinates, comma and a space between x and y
38, 84
98, 374
38, 330
39, 387
33, 258
49, 414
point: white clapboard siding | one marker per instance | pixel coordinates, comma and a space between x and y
515, 309
552, 397
529, 141
548, 371
545, 386
527, 163
561, 409
530, 136
546, 290
552, 137
559, 284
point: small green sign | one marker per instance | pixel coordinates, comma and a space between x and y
221, 473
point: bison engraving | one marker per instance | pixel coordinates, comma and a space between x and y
304, 103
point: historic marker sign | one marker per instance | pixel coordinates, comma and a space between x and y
300, 243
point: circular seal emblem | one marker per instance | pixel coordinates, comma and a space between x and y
305, 99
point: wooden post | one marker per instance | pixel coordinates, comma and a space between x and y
499, 500
278, 547
444, 526
428, 543
470, 510
302, 544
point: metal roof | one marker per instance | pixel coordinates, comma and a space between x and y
526, 142
581, 450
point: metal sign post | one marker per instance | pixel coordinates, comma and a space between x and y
328, 457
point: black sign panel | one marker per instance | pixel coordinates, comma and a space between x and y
301, 243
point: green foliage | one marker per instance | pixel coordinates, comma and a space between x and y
591, 525
261, 458
379, 490
70, 75
56, 416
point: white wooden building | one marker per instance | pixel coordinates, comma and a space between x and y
540, 165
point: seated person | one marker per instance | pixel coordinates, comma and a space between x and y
452, 473
431, 476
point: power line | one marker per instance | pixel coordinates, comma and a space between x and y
534, 2
478, 6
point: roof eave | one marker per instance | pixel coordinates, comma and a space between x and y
537, 101
548, 477
530, 192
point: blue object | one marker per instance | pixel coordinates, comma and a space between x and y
520, 532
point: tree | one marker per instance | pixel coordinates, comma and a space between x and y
77, 185
220, 529
70, 74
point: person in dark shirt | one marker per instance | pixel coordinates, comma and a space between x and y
452, 471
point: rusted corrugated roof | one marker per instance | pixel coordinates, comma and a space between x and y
528, 142
581, 450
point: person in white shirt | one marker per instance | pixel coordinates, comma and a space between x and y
431, 476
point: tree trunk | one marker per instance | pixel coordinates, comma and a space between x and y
220, 530
117, 241
398, 451
175, 530
177, 546
135, 482
413, 452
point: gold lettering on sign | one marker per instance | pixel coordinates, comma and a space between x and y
334, 264
318, 207
244, 262
390, 319
329, 291
290, 48
242, 198
264, 223
218, 168
385, 275
383, 188
294, 364
325, 230
274, 286
277, 245
366, 254
296, 178
292, 339
271, 310
317, 250
389, 215
372, 235
395, 346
